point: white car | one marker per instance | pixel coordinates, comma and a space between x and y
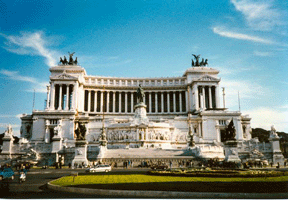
99, 168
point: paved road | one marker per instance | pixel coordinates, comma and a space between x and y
34, 187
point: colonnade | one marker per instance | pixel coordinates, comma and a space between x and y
207, 97
124, 101
61, 96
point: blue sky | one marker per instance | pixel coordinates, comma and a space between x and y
247, 40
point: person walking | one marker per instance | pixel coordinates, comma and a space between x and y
170, 164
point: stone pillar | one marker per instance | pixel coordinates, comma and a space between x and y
48, 94
89, 101
75, 99
67, 97
174, 101
132, 102
95, 100
113, 101
210, 97
47, 135
162, 102
52, 105
150, 103
187, 99
120, 102
168, 102
101, 100
107, 103
203, 97
60, 97
217, 96
126, 103
156, 102
196, 96
180, 102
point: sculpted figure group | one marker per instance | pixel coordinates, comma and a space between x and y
197, 63
70, 62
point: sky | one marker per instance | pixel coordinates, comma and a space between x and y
247, 40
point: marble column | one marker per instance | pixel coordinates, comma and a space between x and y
156, 102
120, 102
132, 102
113, 101
89, 101
95, 101
101, 101
67, 97
126, 102
187, 99
180, 101
75, 91
162, 102
168, 102
217, 96
108, 100
52, 105
48, 94
150, 103
210, 97
196, 97
174, 101
203, 97
60, 97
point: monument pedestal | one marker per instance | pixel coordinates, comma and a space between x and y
231, 152
56, 144
7, 144
277, 154
102, 150
140, 114
80, 153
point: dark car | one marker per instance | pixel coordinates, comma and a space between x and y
162, 166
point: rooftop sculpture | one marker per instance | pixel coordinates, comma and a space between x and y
197, 63
70, 62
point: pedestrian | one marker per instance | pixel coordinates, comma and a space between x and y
278, 165
170, 164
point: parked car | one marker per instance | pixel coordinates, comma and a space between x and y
7, 173
99, 168
161, 166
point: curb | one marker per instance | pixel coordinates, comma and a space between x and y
164, 194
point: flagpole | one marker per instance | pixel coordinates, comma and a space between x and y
239, 101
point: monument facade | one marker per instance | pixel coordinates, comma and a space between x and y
136, 118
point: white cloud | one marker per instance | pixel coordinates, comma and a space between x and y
262, 54
31, 44
240, 36
260, 15
265, 117
14, 75
10, 116
5, 125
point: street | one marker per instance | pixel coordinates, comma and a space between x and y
34, 186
